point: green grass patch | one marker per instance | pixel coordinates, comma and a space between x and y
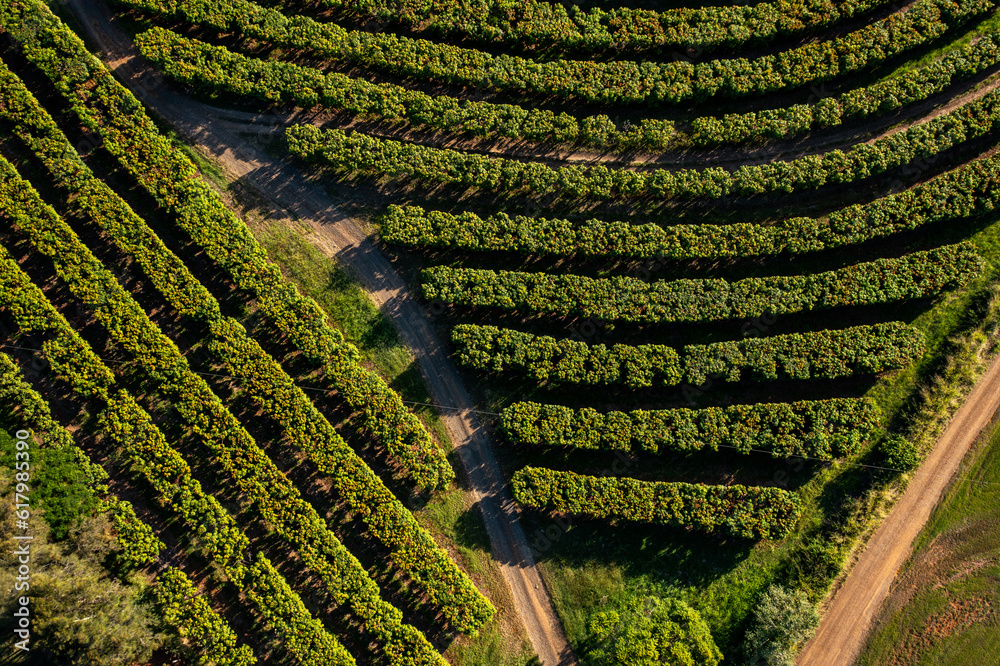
352, 311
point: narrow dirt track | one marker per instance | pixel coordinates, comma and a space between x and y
847, 622
282, 185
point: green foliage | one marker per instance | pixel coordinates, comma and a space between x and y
136, 545
138, 542
821, 429
185, 608
71, 358
827, 354
652, 632
782, 621
879, 98
276, 498
59, 486
173, 181
554, 26
382, 409
915, 275
972, 189
361, 153
217, 70
131, 429
411, 547
35, 415
570, 361
899, 453
415, 552
79, 614
742, 511
78, 481
825, 429
610, 82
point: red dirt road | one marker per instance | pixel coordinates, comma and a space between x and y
847, 622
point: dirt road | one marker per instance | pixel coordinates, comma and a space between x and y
283, 186
848, 619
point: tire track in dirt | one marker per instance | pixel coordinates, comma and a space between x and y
856, 603
282, 184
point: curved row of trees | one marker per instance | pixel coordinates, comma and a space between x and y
612, 82
882, 97
552, 26
361, 153
915, 275
826, 354
741, 511
220, 71
971, 190
827, 429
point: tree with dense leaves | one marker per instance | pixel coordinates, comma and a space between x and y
782, 621
650, 631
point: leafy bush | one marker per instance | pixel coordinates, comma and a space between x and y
782, 621
140, 545
570, 361
829, 354
620, 298
58, 486
652, 632
899, 453
743, 511
825, 429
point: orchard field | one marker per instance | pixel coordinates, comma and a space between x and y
482, 333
